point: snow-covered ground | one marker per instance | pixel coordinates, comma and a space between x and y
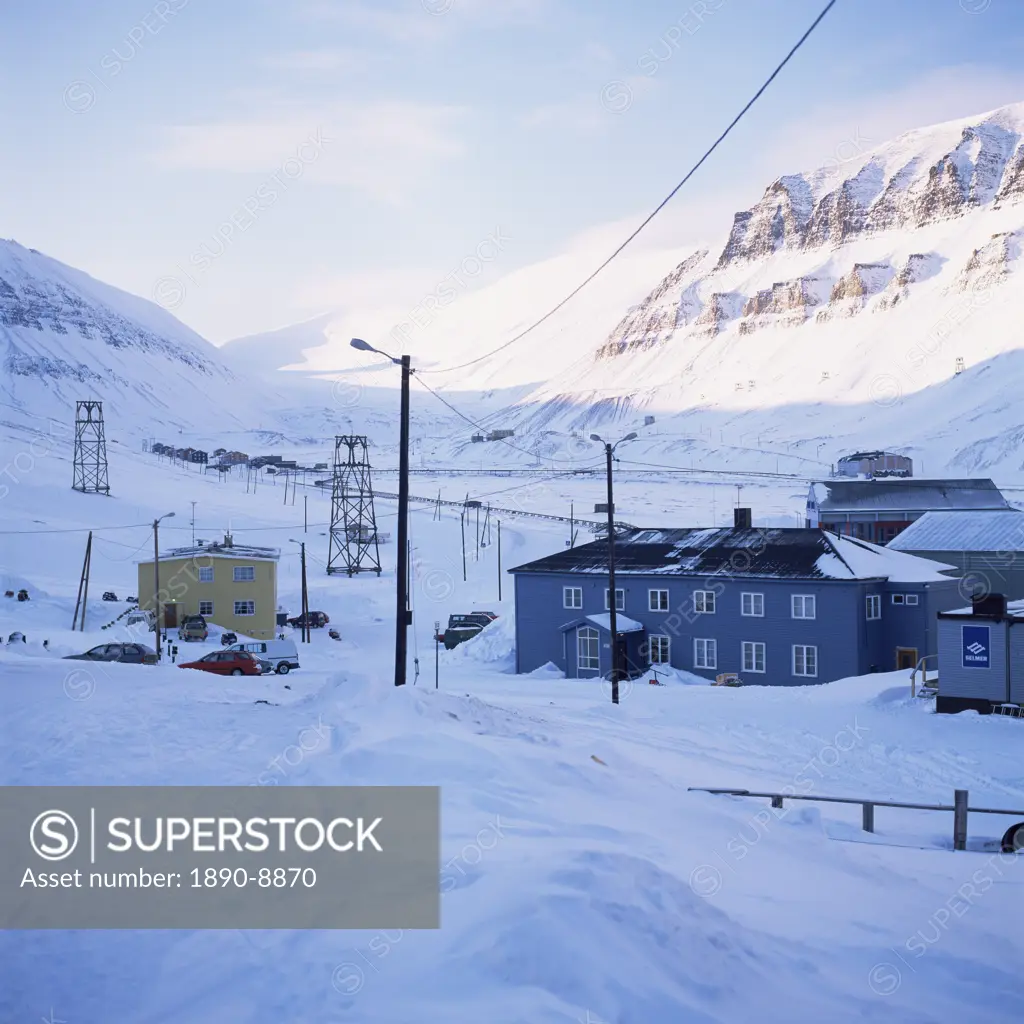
581, 880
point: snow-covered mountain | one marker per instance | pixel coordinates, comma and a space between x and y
837, 307
65, 336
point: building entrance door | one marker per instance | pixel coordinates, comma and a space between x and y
906, 657
170, 616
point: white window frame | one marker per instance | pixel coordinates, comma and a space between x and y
572, 597
911, 599
208, 606
705, 653
753, 613
752, 647
587, 635
899, 598
620, 600
206, 574
873, 604
250, 607
657, 601
660, 645
704, 602
802, 600
804, 648
244, 573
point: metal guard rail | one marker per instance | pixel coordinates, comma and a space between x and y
959, 807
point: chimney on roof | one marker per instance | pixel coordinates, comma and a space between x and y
228, 542
989, 604
741, 519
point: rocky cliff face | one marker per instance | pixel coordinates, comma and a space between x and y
925, 178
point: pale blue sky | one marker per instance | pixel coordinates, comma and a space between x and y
403, 132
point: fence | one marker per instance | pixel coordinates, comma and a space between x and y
958, 807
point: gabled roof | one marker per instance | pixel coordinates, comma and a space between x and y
786, 553
1001, 530
219, 549
905, 494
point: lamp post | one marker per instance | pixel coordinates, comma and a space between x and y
609, 450
156, 577
402, 614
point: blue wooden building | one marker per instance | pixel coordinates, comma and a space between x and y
777, 606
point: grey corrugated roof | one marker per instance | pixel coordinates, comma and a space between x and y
1001, 530
906, 495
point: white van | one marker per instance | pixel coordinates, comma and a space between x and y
282, 654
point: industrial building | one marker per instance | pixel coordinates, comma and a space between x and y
879, 510
874, 464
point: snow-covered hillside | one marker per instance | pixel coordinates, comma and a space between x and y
837, 308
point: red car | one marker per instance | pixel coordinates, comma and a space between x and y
227, 663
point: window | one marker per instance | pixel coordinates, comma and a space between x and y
705, 654
244, 573
874, 602
205, 607
657, 600
803, 606
805, 660
752, 604
659, 647
911, 598
897, 598
572, 597
620, 600
753, 656
245, 607
587, 654
704, 602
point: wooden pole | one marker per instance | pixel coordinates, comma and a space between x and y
959, 819
305, 600
499, 559
81, 582
463, 520
156, 582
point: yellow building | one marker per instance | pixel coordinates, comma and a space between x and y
231, 585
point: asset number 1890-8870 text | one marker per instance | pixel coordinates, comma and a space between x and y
265, 878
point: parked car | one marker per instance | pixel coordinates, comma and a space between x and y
464, 627
17, 638
126, 654
109, 595
228, 638
193, 627
22, 595
140, 617
317, 620
282, 655
226, 663
131, 600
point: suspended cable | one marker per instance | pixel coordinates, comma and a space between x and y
721, 138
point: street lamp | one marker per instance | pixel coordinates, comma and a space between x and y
305, 599
403, 616
612, 621
156, 577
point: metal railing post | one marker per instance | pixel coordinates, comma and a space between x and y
960, 819
868, 817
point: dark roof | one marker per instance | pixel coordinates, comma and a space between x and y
786, 553
856, 456
906, 495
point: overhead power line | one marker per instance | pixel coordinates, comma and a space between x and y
721, 138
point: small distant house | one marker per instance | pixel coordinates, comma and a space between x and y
875, 464
233, 458
879, 510
477, 438
196, 455
987, 548
779, 607
217, 452
319, 466
232, 585
499, 435
648, 421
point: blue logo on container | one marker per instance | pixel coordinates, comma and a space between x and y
976, 647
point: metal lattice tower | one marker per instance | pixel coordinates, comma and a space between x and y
354, 544
90, 449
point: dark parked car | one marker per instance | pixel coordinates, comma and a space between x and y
193, 627
317, 620
227, 663
109, 595
228, 638
127, 654
464, 627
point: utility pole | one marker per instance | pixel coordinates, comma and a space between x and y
305, 599
463, 520
193, 524
305, 513
478, 533
612, 610
156, 577
572, 526
437, 630
499, 559
402, 598
83, 586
